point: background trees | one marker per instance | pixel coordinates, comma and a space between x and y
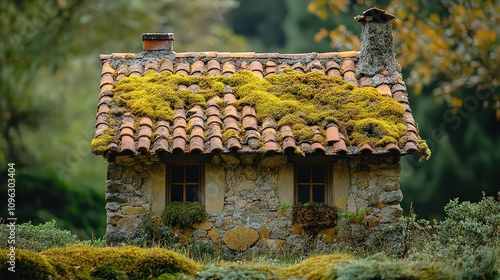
450, 54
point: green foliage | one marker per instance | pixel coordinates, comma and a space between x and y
174, 276
470, 225
415, 233
179, 214
38, 238
58, 201
201, 249
30, 27
314, 215
379, 267
467, 239
285, 206
447, 78
463, 246
52, 48
153, 232
95, 242
229, 271
468, 236
469, 29
346, 217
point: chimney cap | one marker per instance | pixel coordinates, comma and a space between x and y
158, 41
157, 36
376, 15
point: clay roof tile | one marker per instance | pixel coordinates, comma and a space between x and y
200, 128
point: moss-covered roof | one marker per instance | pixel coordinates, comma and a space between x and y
159, 102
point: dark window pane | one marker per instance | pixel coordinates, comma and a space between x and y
318, 173
303, 194
192, 193
304, 174
319, 194
177, 172
176, 193
192, 173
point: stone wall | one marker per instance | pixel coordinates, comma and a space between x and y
129, 187
245, 195
255, 188
373, 184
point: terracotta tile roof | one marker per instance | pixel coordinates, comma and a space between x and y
204, 129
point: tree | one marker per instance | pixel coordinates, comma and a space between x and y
452, 46
449, 51
49, 88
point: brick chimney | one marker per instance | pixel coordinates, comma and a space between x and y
158, 41
377, 46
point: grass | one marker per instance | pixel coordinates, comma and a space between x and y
465, 245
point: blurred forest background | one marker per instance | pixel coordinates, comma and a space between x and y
50, 69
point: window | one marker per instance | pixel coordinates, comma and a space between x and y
310, 183
184, 182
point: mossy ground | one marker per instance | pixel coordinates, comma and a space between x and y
291, 98
316, 268
86, 262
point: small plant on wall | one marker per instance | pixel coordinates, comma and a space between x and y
345, 218
183, 215
314, 215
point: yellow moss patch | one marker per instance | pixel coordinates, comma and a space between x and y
100, 143
422, 146
155, 95
230, 133
292, 98
316, 268
85, 262
28, 265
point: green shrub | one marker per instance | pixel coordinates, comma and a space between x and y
380, 267
230, 271
467, 239
200, 249
95, 242
38, 238
314, 215
152, 232
346, 218
470, 225
183, 214
415, 234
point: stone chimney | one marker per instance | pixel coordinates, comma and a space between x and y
377, 46
158, 41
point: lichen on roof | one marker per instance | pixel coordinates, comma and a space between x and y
292, 98
100, 143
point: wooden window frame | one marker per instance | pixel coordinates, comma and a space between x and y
201, 182
326, 184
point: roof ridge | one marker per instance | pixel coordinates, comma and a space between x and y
234, 55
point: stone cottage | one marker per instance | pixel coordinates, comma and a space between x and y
249, 134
